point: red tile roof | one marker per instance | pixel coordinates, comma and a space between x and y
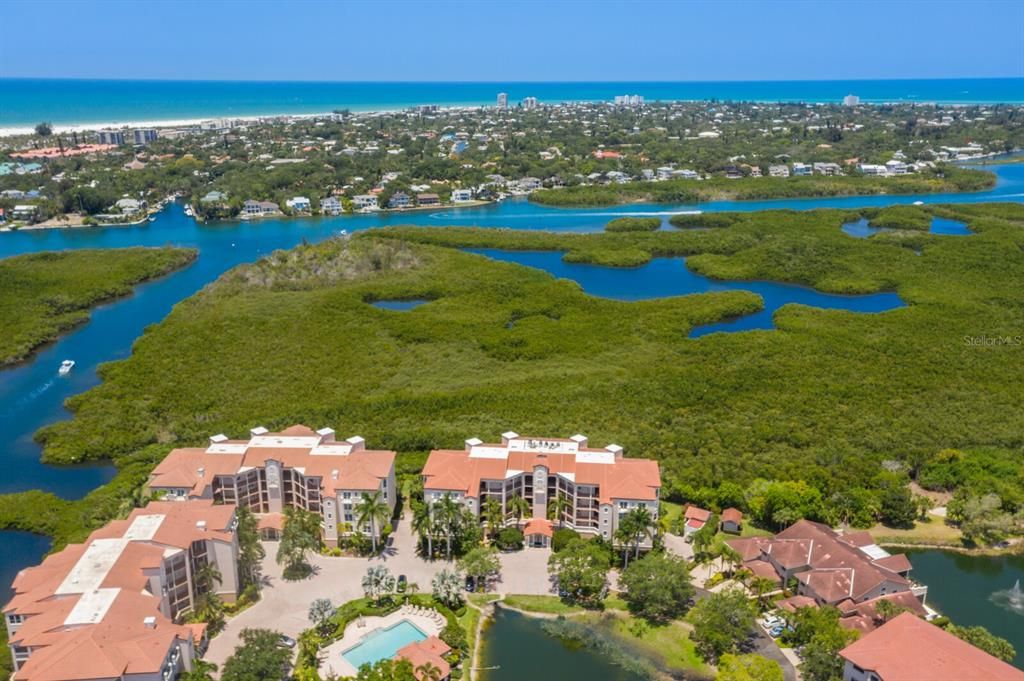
732, 515
538, 526
429, 650
910, 649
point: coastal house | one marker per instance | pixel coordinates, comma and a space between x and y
828, 566
128, 206
399, 200
896, 167
732, 521
597, 486
686, 174
214, 197
529, 184
462, 195
802, 169
872, 169
428, 199
828, 169
108, 608
299, 204
25, 211
695, 519
260, 208
268, 472
365, 201
778, 170
664, 173
909, 649
331, 206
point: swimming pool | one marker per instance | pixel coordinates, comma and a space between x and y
383, 643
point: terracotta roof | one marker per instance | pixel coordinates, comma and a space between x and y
763, 569
697, 513
794, 603
910, 649
271, 521
864, 616
616, 477
897, 562
348, 467
732, 515
538, 526
428, 650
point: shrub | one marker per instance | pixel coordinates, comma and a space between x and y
706, 220
562, 537
509, 539
633, 225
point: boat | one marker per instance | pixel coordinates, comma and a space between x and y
66, 366
918, 203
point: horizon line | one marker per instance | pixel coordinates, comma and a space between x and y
501, 82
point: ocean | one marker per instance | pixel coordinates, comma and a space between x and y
68, 103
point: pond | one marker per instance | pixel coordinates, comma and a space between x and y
398, 305
942, 226
664, 277
519, 649
974, 590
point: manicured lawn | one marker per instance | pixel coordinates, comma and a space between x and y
543, 604
669, 643
932, 531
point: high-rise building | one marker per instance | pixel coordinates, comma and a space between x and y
110, 136
629, 100
851, 100
502, 100
144, 135
529, 103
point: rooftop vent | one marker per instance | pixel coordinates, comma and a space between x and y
201, 525
473, 442
217, 439
326, 434
201, 471
580, 440
505, 437
258, 430
334, 474
150, 622
357, 443
616, 450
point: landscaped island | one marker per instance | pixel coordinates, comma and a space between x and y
950, 179
45, 294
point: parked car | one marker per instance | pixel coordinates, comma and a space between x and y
403, 582
285, 641
776, 631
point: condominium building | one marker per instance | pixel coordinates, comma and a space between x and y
599, 485
108, 608
145, 135
268, 472
529, 103
110, 136
502, 100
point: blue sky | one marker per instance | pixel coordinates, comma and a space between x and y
506, 40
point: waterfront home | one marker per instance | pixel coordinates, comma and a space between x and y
909, 649
267, 472
872, 169
260, 208
428, 200
829, 169
896, 167
828, 566
462, 195
695, 519
331, 206
779, 170
732, 521
528, 184
130, 206
664, 173
597, 486
399, 200
365, 201
26, 211
800, 169
214, 196
107, 608
686, 174
299, 204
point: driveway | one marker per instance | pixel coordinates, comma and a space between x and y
284, 605
675, 545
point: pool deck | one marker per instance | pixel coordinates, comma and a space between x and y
356, 631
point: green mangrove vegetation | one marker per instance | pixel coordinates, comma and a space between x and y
945, 179
44, 294
633, 225
826, 417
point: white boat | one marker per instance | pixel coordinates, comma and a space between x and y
918, 203
66, 366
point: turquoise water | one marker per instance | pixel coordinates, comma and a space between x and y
383, 644
944, 226
398, 305
664, 277
28, 101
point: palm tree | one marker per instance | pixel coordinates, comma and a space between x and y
519, 507
557, 506
377, 581
624, 535
428, 672
371, 510
201, 671
423, 525
642, 523
447, 514
447, 587
493, 515
207, 577
762, 585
